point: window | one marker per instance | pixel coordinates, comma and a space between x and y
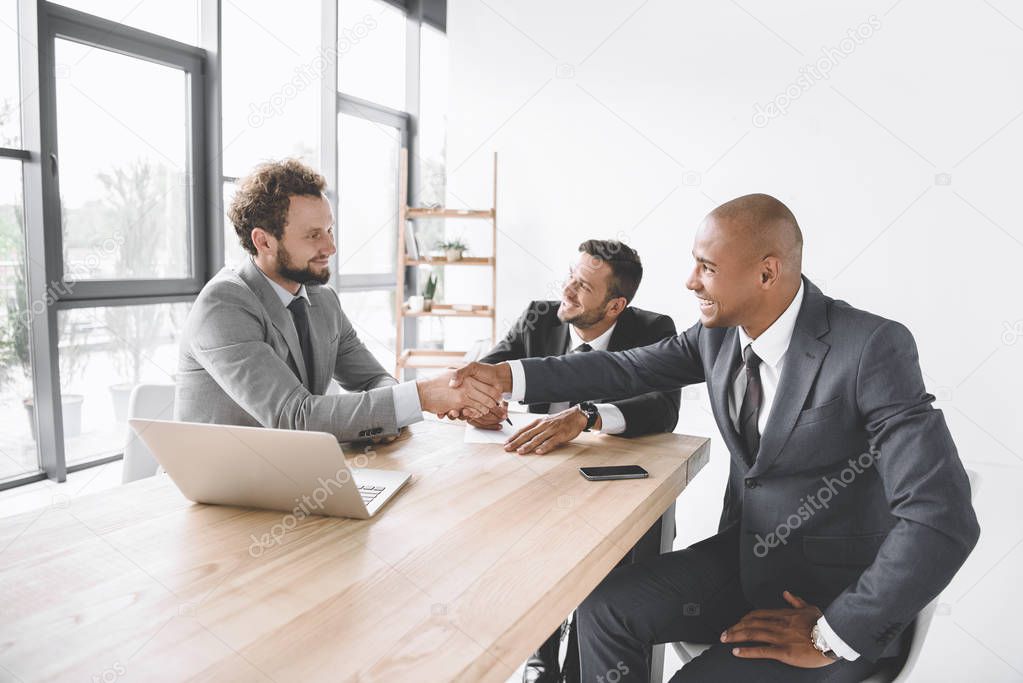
104, 353
109, 235
104, 245
371, 52
175, 19
18, 453
368, 154
123, 133
372, 314
433, 100
234, 253
271, 82
10, 97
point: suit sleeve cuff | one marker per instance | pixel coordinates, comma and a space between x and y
407, 409
518, 388
611, 419
837, 645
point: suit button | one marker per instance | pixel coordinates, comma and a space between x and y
752, 483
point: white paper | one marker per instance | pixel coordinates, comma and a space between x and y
477, 435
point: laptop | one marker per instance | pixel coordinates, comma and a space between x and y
275, 469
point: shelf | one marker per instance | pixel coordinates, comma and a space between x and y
441, 261
445, 311
429, 358
441, 212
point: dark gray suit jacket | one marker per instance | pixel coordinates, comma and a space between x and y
857, 500
240, 363
539, 333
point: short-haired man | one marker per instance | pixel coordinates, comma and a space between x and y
847, 509
261, 343
593, 315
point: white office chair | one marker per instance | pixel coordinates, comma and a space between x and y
899, 670
151, 401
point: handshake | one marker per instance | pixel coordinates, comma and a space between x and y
470, 393
474, 393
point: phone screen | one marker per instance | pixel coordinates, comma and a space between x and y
614, 472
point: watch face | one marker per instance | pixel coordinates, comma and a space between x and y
818, 639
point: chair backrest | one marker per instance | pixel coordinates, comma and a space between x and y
152, 401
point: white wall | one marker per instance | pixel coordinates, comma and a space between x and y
636, 118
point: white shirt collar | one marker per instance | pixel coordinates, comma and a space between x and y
284, 295
771, 346
598, 344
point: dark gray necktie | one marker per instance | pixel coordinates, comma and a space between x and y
752, 399
300, 314
582, 348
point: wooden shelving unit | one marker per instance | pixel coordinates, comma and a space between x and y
436, 358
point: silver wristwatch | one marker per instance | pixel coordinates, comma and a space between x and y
821, 645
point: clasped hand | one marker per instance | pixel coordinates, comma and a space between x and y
540, 436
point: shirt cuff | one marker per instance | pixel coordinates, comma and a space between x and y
407, 408
611, 419
837, 645
518, 388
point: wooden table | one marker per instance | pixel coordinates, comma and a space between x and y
460, 577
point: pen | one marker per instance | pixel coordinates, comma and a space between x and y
508, 420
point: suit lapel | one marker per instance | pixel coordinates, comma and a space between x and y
720, 387
279, 315
557, 340
803, 361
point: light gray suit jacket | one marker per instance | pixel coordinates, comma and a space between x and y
871, 545
240, 363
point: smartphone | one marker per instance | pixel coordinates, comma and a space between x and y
614, 472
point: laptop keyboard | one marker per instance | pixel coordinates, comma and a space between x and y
369, 493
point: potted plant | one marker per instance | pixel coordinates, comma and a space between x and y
17, 355
453, 249
429, 290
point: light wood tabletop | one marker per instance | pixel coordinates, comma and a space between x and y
459, 577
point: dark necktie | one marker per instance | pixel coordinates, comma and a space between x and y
752, 399
300, 314
582, 348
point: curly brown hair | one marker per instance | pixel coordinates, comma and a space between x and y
263, 197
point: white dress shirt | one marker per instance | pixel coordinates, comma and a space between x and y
611, 419
771, 347
407, 408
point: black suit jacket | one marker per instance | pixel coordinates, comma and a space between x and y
539, 333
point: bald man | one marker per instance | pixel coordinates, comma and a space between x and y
847, 509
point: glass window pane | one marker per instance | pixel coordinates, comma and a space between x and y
104, 353
432, 116
122, 131
371, 51
176, 19
372, 315
234, 254
18, 453
272, 63
368, 196
10, 94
